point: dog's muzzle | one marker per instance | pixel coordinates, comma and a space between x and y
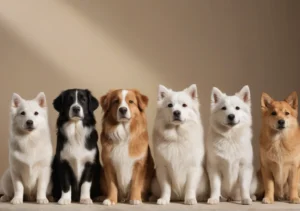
29, 125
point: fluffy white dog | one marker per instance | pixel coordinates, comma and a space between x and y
178, 148
30, 152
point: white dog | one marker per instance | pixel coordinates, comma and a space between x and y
229, 147
30, 152
178, 148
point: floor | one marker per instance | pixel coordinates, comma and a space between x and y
150, 207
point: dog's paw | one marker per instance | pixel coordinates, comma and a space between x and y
247, 201
267, 200
295, 200
5, 198
162, 201
253, 197
108, 202
135, 202
42, 201
190, 201
16, 201
213, 201
62, 201
86, 201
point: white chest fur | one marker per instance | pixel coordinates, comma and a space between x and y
74, 150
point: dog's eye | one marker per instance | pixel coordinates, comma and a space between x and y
131, 101
116, 101
274, 113
36, 113
237, 108
23, 113
224, 108
184, 105
170, 105
287, 113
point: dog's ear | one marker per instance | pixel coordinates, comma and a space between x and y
292, 99
41, 99
16, 100
162, 92
244, 94
142, 100
265, 101
216, 95
105, 101
93, 103
58, 102
192, 91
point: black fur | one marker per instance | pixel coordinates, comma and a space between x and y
63, 176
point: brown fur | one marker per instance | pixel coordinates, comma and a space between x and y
280, 148
138, 144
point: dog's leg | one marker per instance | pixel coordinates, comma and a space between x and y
268, 185
65, 183
165, 186
85, 192
293, 185
137, 184
191, 186
43, 182
18, 189
245, 174
215, 185
111, 182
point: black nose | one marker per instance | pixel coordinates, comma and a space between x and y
281, 122
123, 110
29, 123
76, 109
176, 113
231, 117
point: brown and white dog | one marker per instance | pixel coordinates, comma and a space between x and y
125, 153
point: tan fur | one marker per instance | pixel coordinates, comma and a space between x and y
280, 149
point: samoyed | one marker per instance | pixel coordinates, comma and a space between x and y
30, 152
178, 148
229, 147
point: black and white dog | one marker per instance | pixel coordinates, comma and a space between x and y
76, 165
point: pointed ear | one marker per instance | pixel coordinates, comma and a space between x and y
93, 102
16, 100
58, 102
105, 101
142, 100
41, 99
292, 99
265, 101
192, 91
162, 92
244, 94
216, 95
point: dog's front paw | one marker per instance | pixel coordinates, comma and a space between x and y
190, 201
163, 201
213, 201
253, 197
42, 201
267, 200
295, 200
62, 201
16, 201
135, 202
86, 201
247, 201
108, 202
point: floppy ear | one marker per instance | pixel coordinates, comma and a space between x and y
192, 91
41, 99
162, 92
265, 101
58, 102
292, 99
142, 100
93, 102
105, 101
244, 94
216, 95
16, 100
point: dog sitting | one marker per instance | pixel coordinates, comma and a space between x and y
76, 166
30, 152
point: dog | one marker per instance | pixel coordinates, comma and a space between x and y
76, 166
125, 155
178, 146
229, 148
30, 152
280, 148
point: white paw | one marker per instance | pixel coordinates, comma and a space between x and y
42, 201
213, 201
135, 202
253, 197
108, 202
162, 201
17, 201
86, 201
247, 201
190, 201
5, 198
62, 201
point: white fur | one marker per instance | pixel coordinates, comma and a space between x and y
30, 153
229, 148
81, 115
179, 148
124, 104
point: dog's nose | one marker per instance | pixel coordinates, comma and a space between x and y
231, 117
76, 109
29, 123
281, 122
123, 110
176, 113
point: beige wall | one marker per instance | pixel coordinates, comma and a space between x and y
54, 45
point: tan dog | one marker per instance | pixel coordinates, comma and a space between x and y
280, 148
126, 157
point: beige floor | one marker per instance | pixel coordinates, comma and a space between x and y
149, 207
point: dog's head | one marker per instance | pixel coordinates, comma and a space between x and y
75, 104
177, 108
29, 115
280, 115
123, 105
230, 111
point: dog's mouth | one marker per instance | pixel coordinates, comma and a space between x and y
29, 129
124, 119
280, 127
232, 124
